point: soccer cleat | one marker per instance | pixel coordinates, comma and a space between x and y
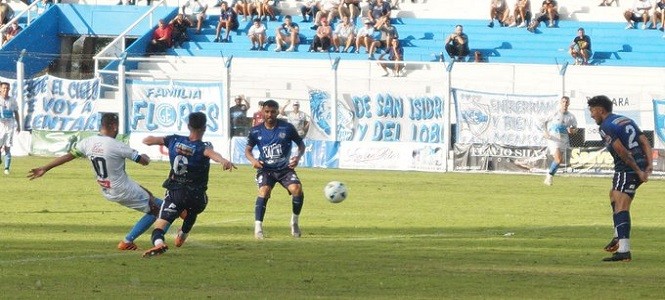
157, 250
548, 179
295, 230
6, 171
258, 235
612, 246
127, 246
180, 238
619, 256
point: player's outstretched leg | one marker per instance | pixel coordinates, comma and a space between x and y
139, 228
157, 240
187, 226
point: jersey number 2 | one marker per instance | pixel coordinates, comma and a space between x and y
630, 130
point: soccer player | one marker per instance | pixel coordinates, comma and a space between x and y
557, 127
107, 156
632, 166
187, 182
274, 139
9, 121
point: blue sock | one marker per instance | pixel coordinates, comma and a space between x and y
188, 223
553, 167
297, 202
260, 208
622, 224
140, 227
8, 159
157, 234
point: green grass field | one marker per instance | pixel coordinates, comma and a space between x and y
398, 235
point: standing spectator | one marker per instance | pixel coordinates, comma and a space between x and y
288, 33
659, 16
187, 182
195, 12
379, 13
296, 117
499, 11
257, 117
549, 11
274, 138
633, 158
365, 37
344, 35
580, 48
9, 122
323, 38
228, 20
522, 13
308, 9
257, 35
395, 54
557, 127
388, 32
11, 32
238, 115
6, 13
638, 13
180, 25
161, 38
457, 44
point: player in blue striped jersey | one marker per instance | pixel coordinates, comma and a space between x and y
632, 155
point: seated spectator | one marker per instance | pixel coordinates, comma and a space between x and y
344, 35
11, 32
264, 10
522, 13
257, 35
349, 8
499, 11
6, 13
258, 117
228, 20
322, 38
238, 116
328, 9
478, 57
580, 48
195, 12
297, 118
244, 8
638, 13
180, 25
161, 38
608, 2
549, 12
388, 32
379, 13
457, 44
43, 5
288, 33
395, 54
365, 37
659, 16
308, 9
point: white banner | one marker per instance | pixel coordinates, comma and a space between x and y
163, 106
507, 120
391, 156
624, 104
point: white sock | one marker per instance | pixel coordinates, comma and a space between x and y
158, 242
258, 226
624, 245
294, 219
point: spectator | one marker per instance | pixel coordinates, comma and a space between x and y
638, 13
263, 10
180, 25
288, 33
395, 54
296, 117
11, 32
549, 11
457, 44
608, 2
238, 115
308, 9
659, 16
258, 117
161, 38
349, 8
322, 38
257, 35
43, 5
379, 13
499, 11
388, 33
478, 57
6, 13
195, 12
580, 48
328, 9
522, 13
365, 37
228, 20
244, 8
344, 34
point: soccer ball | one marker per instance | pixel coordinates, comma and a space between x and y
335, 191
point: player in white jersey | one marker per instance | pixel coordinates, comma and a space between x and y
107, 156
9, 121
558, 126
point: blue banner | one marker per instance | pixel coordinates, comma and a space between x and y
659, 122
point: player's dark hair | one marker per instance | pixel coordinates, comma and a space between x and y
271, 103
197, 120
109, 119
5, 83
601, 101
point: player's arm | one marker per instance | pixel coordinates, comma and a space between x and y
627, 158
18, 121
215, 156
40, 171
301, 151
648, 152
154, 140
248, 154
282, 110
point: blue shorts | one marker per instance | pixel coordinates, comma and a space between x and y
270, 178
626, 183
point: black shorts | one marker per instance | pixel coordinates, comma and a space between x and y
194, 201
626, 183
270, 178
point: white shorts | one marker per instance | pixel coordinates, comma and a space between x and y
6, 136
554, 146
131, 195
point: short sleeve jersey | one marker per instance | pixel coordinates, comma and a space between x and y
189, 166
274, 144
8, 106
624, 129
107, 156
